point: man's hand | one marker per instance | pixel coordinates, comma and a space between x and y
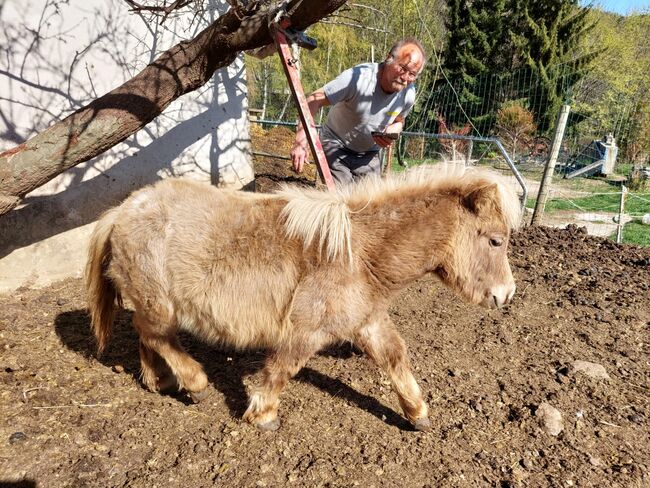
298, 157
384, 141
393, 129
300, 150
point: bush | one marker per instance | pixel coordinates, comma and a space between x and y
515, 126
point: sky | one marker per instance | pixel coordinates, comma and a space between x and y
622, 6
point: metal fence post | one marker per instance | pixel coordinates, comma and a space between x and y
544, 186
619, 228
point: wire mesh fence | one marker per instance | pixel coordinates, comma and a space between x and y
518, 108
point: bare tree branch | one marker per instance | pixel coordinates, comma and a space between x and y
115, 116
355, 26
166, 10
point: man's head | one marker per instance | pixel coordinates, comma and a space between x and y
403, 64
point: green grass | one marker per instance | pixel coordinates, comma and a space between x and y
599, 203
635, 233
623, 168
410, 162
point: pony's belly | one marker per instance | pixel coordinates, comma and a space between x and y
240, 330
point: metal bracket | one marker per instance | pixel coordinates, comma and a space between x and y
295, 36
279, 21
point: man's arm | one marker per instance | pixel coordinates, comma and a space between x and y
300, 147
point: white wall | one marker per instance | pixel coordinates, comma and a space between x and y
58, 55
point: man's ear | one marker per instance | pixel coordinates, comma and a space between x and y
483, 199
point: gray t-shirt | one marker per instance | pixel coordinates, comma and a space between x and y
360, 106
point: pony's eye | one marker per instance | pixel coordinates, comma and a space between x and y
496, 241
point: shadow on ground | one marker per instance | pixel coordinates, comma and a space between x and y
226, 368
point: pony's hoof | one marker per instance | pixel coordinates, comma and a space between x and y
270, 426
198, 396
423, 424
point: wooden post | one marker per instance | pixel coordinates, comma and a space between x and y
544, 187
619, 229
470, 149
389, 159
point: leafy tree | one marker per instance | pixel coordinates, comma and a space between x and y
613, 95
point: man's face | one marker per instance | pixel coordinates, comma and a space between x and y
402, 71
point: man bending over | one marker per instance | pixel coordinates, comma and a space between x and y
367, 98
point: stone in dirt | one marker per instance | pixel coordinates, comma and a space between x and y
593, 370
550, 418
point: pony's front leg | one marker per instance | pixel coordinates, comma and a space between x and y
280, 367
381, 341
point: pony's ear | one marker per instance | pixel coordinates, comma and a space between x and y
483, 199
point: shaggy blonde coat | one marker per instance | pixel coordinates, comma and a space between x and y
295, 270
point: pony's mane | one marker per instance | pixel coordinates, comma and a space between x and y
310, 212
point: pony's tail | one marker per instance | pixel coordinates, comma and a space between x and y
102, 293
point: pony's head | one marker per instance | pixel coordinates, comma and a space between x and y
476, 262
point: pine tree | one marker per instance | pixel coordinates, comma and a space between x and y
472, 55
547, 34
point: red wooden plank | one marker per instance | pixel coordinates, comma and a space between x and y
303, 109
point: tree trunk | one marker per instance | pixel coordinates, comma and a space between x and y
115, 116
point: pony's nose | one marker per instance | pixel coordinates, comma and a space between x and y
502, 295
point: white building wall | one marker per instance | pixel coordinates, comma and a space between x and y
55, 57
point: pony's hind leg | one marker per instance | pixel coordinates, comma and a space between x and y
160, 339
156, 374
379, 339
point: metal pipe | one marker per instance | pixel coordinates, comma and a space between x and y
515, 171
274, 122
491, 140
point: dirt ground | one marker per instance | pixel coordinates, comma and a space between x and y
72, 420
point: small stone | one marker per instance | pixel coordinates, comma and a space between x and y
61, 301
476, 405
17, 437
550, 418
593, 370
636, 418
118, 368
200, 447
595, 461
